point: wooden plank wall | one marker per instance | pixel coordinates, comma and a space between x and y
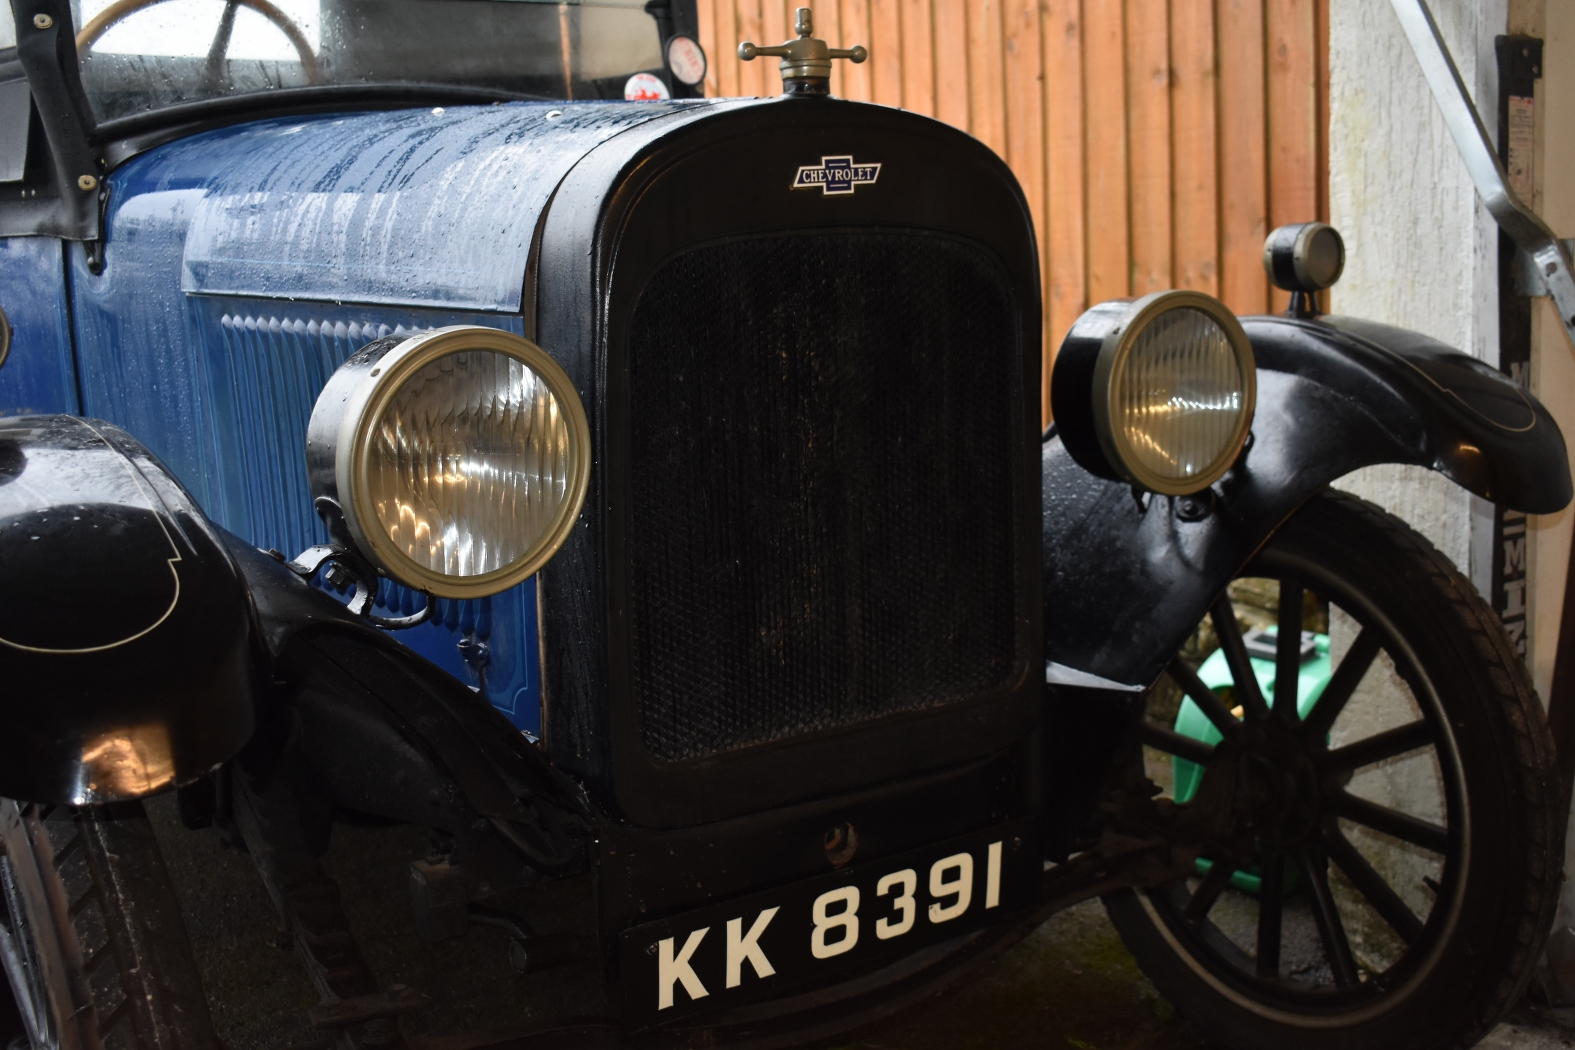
1158, 141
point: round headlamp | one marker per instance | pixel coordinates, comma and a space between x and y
458, 458
1157, 392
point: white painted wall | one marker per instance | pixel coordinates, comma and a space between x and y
1421, 251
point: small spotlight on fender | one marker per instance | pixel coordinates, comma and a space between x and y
1307, 257
1158, 392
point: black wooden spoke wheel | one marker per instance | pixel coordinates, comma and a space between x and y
1392, 859
92, 947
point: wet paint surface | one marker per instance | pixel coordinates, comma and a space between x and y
243, 265
37, 377
412, 207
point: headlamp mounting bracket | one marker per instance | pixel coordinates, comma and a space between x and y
342, 565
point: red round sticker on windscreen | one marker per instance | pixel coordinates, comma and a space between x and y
643, 87
686, 59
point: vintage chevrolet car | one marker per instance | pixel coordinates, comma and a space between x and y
595, 569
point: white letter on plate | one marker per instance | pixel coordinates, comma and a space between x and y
670, 970
741, 947
992, 877
962, 886
847, 918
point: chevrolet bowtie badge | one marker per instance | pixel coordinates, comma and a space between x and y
835, 175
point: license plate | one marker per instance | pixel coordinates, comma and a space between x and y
840, 924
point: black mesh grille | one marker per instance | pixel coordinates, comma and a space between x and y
820, 525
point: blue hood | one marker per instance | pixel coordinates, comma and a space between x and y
242, 265
411, 207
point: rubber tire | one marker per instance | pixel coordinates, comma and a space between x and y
1514, 861
122, 975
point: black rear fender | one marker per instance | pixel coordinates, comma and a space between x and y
1128, 577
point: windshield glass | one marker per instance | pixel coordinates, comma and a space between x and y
142, 55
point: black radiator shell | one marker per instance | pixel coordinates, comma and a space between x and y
711, 177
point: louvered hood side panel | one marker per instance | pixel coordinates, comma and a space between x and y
264, 362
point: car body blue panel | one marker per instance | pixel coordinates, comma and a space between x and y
138, 366
225, 387
415, 207
39, 376
262, 363
242, 265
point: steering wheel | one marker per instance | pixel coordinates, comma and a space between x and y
121, 9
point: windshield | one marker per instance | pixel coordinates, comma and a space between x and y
142, 55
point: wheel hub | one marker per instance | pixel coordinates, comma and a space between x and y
1277, 797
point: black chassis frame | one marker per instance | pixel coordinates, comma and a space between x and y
355, 726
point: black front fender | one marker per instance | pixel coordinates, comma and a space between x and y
1127, 578
127, 659
386, 732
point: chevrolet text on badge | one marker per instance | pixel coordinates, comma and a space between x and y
835, 175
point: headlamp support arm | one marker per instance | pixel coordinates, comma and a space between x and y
341, 565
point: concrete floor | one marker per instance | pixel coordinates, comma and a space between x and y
1072, 984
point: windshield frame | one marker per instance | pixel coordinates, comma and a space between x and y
69, 151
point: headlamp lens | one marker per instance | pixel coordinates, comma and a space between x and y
1158, 392
469, 464
1178, 403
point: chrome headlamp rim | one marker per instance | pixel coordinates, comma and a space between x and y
365, 406
1115, 354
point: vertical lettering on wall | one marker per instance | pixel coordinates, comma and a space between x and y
1519, 69
1510, 573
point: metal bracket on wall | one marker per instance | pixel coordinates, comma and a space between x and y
1528, 275
1550, 256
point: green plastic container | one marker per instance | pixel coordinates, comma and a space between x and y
1192, 722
